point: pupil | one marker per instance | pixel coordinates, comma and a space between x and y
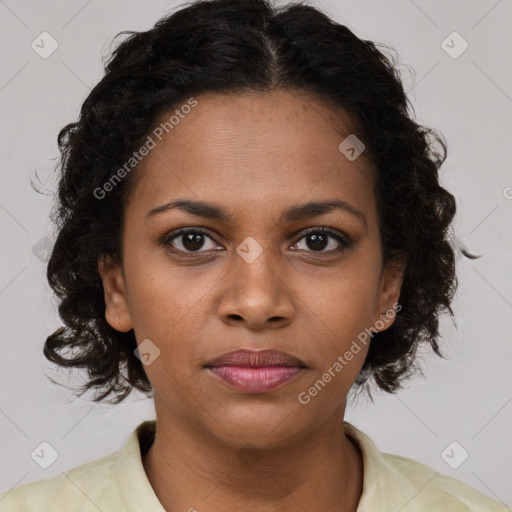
319, 241
193, 241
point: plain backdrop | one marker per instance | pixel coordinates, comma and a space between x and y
467, 95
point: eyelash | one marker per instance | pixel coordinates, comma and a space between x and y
343, 240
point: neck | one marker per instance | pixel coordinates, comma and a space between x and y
190, 470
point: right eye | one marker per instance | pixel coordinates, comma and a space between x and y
188, 240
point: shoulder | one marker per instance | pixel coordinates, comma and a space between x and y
111, 483
85, 488
393, 482
430, 490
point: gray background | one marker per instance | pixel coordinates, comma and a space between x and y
467, 399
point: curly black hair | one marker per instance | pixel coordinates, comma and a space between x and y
230, 47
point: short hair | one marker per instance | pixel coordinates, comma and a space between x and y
232, 47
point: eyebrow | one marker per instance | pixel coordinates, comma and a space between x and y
293, 213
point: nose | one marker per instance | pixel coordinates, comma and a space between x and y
256, 294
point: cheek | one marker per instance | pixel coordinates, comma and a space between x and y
169, 310
341, 312
162, 296
344, 300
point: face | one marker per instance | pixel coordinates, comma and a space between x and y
256, 270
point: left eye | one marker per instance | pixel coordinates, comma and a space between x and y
318, 240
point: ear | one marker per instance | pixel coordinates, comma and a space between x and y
116, 305
388, 295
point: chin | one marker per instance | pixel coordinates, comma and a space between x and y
264, 432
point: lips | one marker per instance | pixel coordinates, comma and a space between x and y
260, 358
252, 371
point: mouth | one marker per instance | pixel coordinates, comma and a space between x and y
256, 371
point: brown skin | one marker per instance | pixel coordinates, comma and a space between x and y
253, 155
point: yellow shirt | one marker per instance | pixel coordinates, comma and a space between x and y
118, 483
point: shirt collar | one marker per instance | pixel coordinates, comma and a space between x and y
134, 486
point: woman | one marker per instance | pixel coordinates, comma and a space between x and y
250, 226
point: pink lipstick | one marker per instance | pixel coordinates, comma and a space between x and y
256, 371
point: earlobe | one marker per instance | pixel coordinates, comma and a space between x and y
116, 305
389, 293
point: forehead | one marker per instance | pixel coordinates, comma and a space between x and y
272, 147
